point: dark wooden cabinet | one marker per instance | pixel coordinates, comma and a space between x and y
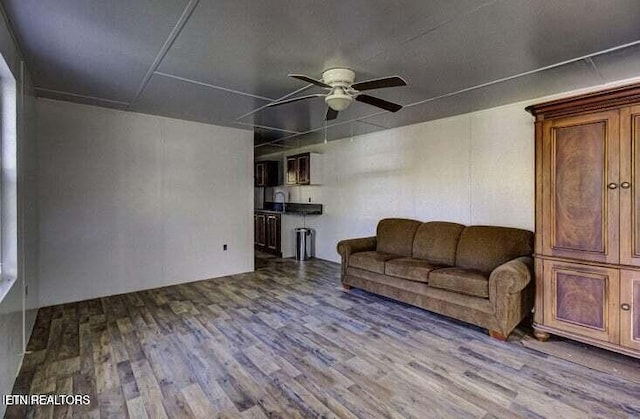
630, 309
304, 169
260, 232
580, 168
266, 173
630, 186
273, 233
268, 232
588, 219
292, 170
582, 299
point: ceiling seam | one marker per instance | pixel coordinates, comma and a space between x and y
479, 86
99, 99
526, 73
435, 28
212, 86
268, 127
173, 35
317, 129
596, 70
302, 89
371, 123
438, 26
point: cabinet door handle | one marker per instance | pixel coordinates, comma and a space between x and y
625, 307
612, 186
625, 185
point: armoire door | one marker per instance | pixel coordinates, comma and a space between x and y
630, 309
582, 299
580, 200
630, 186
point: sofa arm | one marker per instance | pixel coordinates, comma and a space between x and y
348, 247
510, 277
511, 293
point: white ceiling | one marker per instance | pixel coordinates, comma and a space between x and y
221, 61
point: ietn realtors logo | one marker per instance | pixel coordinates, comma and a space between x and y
46, 399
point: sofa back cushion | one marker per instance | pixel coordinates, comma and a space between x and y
437, 241
395, 235
484, 248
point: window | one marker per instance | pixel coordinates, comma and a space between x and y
8, 179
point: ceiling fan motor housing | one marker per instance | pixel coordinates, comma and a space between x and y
340, 79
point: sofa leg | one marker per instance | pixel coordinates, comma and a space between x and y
346, 287
497, 335
540, 335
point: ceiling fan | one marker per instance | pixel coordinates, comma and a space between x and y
343, 90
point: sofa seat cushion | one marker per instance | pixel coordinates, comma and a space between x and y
463, 281
371, 261
409, 268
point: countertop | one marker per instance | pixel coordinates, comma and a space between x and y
291, 208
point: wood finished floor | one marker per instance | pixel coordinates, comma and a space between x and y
286, 341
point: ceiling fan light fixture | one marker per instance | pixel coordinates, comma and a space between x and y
338, 100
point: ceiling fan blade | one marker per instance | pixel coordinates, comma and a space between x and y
393, 81
331, 114
295, 99
380, 103
310, 80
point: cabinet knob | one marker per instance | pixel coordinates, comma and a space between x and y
625, 307
612, 186
625, 185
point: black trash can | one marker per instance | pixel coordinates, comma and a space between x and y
304, 243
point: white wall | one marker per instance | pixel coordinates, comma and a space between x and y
20, 249
132, 201
475, 168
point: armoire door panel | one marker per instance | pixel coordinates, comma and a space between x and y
582, 299
630, 186
582, 199
630, 309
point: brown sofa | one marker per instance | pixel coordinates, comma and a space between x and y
478, 274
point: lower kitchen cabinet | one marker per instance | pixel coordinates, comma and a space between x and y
268, 232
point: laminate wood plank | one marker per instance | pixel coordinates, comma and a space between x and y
198, 402
149, 388
135, 408
288, 342
64, 386
327, 399
255, 412
262, 360
128, 381
305, 400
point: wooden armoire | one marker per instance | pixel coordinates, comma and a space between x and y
588, 219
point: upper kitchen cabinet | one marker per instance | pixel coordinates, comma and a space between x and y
266, 173
304, 169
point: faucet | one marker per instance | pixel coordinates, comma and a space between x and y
284, 199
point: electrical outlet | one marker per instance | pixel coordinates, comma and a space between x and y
309, 199
224, 247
